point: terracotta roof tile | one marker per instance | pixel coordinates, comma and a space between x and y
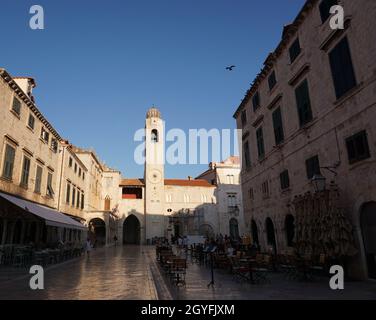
132, 182
187, 183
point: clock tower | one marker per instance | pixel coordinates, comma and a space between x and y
154, 175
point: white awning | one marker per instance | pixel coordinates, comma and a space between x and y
52, 217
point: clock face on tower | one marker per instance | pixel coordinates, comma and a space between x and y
155, 176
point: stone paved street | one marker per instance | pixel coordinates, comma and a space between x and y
109, 273
131, 272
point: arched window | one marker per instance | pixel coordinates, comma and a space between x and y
154, 136
290, 230
254, 231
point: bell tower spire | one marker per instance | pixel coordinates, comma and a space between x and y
154, 174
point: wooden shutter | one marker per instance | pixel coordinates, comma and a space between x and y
342, 68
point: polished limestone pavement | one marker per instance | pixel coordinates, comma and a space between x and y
131, 272
108, 273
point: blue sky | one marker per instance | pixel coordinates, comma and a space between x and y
100, 65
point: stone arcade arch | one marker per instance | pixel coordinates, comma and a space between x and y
368, 226
131, 230
97, 232
254, 232
270, 234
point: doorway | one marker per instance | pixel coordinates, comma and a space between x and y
368, 225
131, 230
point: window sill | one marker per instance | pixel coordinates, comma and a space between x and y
17, 115
30, 128
24, 186
44, 141
360, 163
6, 179
349, 94
286, 191
298, 58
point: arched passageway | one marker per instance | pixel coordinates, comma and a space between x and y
254, 232
97, 232
131, 230
270, 234
368, 225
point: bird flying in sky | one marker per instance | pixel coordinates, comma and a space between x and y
230, 68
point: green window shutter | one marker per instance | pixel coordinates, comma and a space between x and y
38, 179
16, 106
25, 171
278, 127
260, 143
8, 162
303, 103
342, 68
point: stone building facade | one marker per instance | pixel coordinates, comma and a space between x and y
32, 165
225, 176
39, 167
311, 111
154, 206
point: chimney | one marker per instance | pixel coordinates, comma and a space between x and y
189, 178
27, 85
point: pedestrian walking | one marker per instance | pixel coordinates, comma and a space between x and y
115, 240
88, 247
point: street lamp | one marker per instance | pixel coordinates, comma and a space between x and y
319, 182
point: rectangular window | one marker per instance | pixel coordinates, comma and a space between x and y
260, 143
303, 103
67, 193
357, 147
75, 167
38, 179
247, 155
45, 136
278, 127
50, 191
244, 118
284, 179
54, 145
79, 172
256, 101
231, 200
31, 122
10, 153
324, 7
83, 175
70, 162
73, 196
78, 198
342, 68
25, 172
272, 80
251, 194
313, 167
16, 107
82, 201
295, 50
